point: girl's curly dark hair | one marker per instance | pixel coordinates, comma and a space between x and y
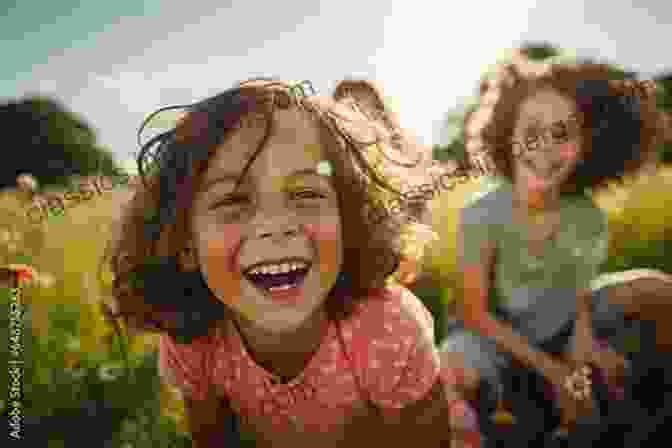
151, 290
619, 130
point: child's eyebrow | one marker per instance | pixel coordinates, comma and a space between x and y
305, 173
221, 178
233, 177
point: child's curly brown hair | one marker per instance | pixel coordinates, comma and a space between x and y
619, 131
150, 288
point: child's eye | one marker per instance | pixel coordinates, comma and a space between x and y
559, 131
307, 194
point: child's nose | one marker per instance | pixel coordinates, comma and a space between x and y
276, 222
547, 164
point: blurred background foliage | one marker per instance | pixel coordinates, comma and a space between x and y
73, 377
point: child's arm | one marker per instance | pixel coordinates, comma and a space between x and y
208, 422
183, 367
476, 317
441, 419
476, 259
399, 370
583, 328
594, 251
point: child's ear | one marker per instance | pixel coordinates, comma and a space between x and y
188, 258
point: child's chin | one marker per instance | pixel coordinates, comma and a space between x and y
282, 326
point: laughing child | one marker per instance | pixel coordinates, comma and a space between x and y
530, 247
247, 247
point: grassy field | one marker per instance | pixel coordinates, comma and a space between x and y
66, 252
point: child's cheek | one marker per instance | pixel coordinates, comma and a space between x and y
223, 272
327, 237
569, 151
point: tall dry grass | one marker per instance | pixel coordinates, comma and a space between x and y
66, 252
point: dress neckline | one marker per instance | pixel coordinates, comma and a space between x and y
270, 376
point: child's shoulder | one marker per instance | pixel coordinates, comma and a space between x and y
392, 312
185, 365
391, 341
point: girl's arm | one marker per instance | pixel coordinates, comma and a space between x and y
210, 416
583, 329
399, 370
594, 253
424, 423
437, 420
209, 422
475, 287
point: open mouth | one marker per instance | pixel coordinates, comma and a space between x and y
278, 275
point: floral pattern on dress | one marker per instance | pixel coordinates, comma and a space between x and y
383, 353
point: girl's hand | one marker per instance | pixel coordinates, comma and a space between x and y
587, 350
572, 406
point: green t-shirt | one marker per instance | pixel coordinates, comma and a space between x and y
538, 292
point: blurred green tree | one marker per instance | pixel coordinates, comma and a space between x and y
664, 98
51, 143
538, 51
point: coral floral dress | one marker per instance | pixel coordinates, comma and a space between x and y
382, 354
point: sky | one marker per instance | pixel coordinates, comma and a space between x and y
116, 62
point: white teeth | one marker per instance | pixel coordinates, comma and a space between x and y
280, 288
279, 268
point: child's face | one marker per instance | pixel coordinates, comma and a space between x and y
282, 209
546, 164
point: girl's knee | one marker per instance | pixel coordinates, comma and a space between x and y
645, 290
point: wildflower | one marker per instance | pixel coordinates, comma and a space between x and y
503, 417
110, 371
23, 271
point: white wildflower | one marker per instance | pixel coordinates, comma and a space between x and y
110, 371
